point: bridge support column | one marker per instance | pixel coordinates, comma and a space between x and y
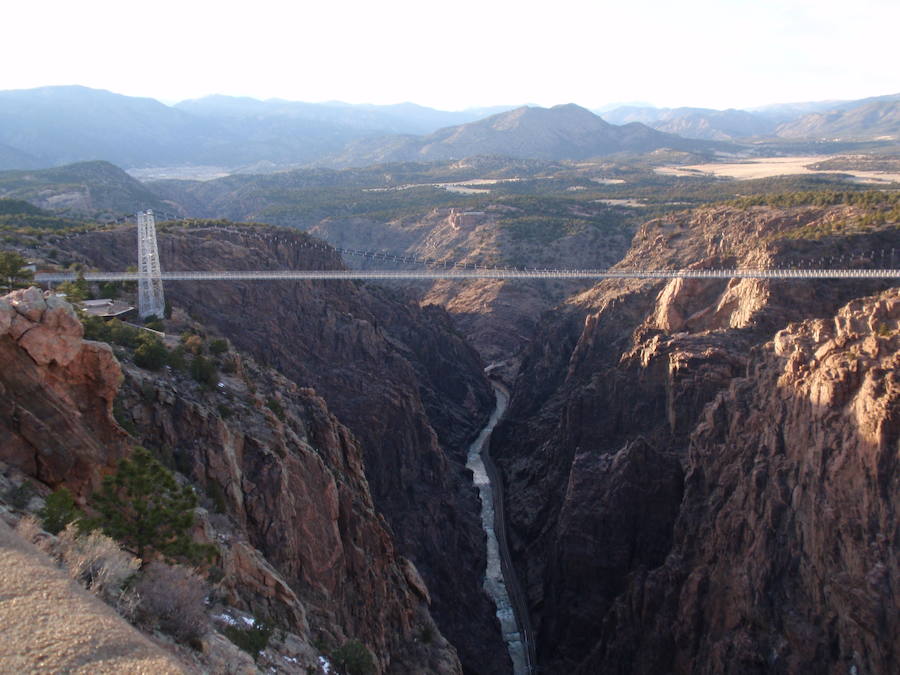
151, 301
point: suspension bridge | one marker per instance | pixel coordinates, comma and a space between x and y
150, 276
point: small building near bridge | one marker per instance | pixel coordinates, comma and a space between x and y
106, 308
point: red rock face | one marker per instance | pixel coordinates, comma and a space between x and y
56, 394
409, 389
309, 550
597, 445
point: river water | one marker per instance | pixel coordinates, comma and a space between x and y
494, 582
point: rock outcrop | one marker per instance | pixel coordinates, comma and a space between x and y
56, 394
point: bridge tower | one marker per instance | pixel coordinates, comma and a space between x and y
150, 289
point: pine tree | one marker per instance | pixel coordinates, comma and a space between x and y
59, 510
143, 507
12, 269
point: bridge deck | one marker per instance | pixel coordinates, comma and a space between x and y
486, 273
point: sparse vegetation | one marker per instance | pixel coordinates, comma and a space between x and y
96, 561
353, 658
204, 370
252, 639
123, 419
76, 291
142, 506
151, 354
172, 600
218, 347
18, 496
275, 406
175, 359
217, 496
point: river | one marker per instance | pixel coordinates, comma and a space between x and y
496, 582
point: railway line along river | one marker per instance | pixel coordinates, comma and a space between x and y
500, 581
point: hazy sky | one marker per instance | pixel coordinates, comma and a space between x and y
458, 54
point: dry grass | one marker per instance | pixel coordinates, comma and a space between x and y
96, 561
49, 624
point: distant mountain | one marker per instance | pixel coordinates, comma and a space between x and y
11, 158
86, 187
61, 125
875, 119
257, 116
862, 119
52, 126
779, 113
701, 123
562, 132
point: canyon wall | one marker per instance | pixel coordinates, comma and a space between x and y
597, 449
397, 375
785, 549
299, 542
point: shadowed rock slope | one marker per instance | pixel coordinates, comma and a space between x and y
395, 374
785, 550
298, 540
606, 481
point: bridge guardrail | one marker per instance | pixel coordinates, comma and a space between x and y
483, 273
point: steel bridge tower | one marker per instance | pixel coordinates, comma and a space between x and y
150, 289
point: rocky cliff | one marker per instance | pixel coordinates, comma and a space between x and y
785, 551
56, 394
410, 390
597, 450
299, 542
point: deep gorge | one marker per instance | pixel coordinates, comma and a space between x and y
697, 476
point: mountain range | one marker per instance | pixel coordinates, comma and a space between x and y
53, 126
876, 118
561, 132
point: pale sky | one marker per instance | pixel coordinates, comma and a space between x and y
458, 54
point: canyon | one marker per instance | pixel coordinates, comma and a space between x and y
654, 505
696, 475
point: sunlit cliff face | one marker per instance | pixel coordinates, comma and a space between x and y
849, 363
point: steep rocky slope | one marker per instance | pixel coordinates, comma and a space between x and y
395, 374
298, 540
785, 550
594, 449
